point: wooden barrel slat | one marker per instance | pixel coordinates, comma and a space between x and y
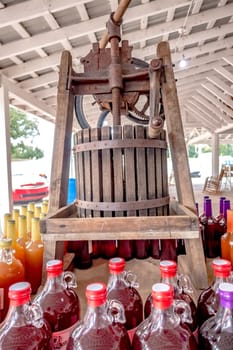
96, 165
106, 170
129, 169
118, 169
81, 172
141, 169
88, 171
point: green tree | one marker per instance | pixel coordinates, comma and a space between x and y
23, 129
226, 150
192, 152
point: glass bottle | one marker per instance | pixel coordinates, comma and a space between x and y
212, 243
7, 216
34, 252
225, 239
102, 327
15, 216
37, 211
162, 329
22, 236
182, 289
11, 271
208, 301
217, 332
202, 220
108, 249
82, 258
59, 302
125, 249
23, 210
121, 286
19, 251
220, 219
30, 215
24, 326
226, 206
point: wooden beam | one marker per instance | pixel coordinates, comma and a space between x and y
216, 92
209, 125
224, 72
98, 24
206, 113
220, 84
28, 98
5, 176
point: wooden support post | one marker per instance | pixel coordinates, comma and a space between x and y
62, 145
194, 248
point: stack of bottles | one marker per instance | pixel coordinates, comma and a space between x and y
213, 227
113, 319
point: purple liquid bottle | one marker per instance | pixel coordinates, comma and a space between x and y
217, 332
162, 329
121, 286
102, 327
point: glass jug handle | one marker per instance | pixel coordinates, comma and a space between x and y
184, 283
116, 311
33, 314
131, 279
69, 280
183, 310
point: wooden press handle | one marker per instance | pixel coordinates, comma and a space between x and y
118, 14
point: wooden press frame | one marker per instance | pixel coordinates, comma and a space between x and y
62, 224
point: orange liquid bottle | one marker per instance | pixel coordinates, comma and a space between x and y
34, 251
22, 236
11, 271
37, 211
17, 248
227, 237
31, 206
23, 210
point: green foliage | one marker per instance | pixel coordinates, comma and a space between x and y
206, 149
226, 150
192, 152
23, 129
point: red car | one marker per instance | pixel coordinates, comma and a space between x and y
29, 188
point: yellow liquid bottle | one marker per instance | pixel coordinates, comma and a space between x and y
30, 215
37, 211
31, 206
22, 236
34, 253
18, 250
44, 207
7, 216
15, 216
23, 210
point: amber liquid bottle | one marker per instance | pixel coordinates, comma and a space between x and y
227, 237
22, 236
34, 251
7, 216
11, 271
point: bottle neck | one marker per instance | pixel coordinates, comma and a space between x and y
165, 318
96, 315
170, 280
54, 283
35, 233
23, 228
217, 281
116, 278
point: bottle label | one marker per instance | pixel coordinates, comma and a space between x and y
61, 338
1, 298
131, 333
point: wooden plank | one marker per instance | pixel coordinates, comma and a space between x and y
117, 169
129, 163
79, 182
62, 138
87, 171
96, 170
194, 248
81, 174
135, 227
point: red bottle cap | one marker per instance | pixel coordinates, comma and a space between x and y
54, 268
221, 267
19, 293
96, 294
116, 265
168, 268
162, 294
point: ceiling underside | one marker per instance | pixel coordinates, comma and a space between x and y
33, 34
